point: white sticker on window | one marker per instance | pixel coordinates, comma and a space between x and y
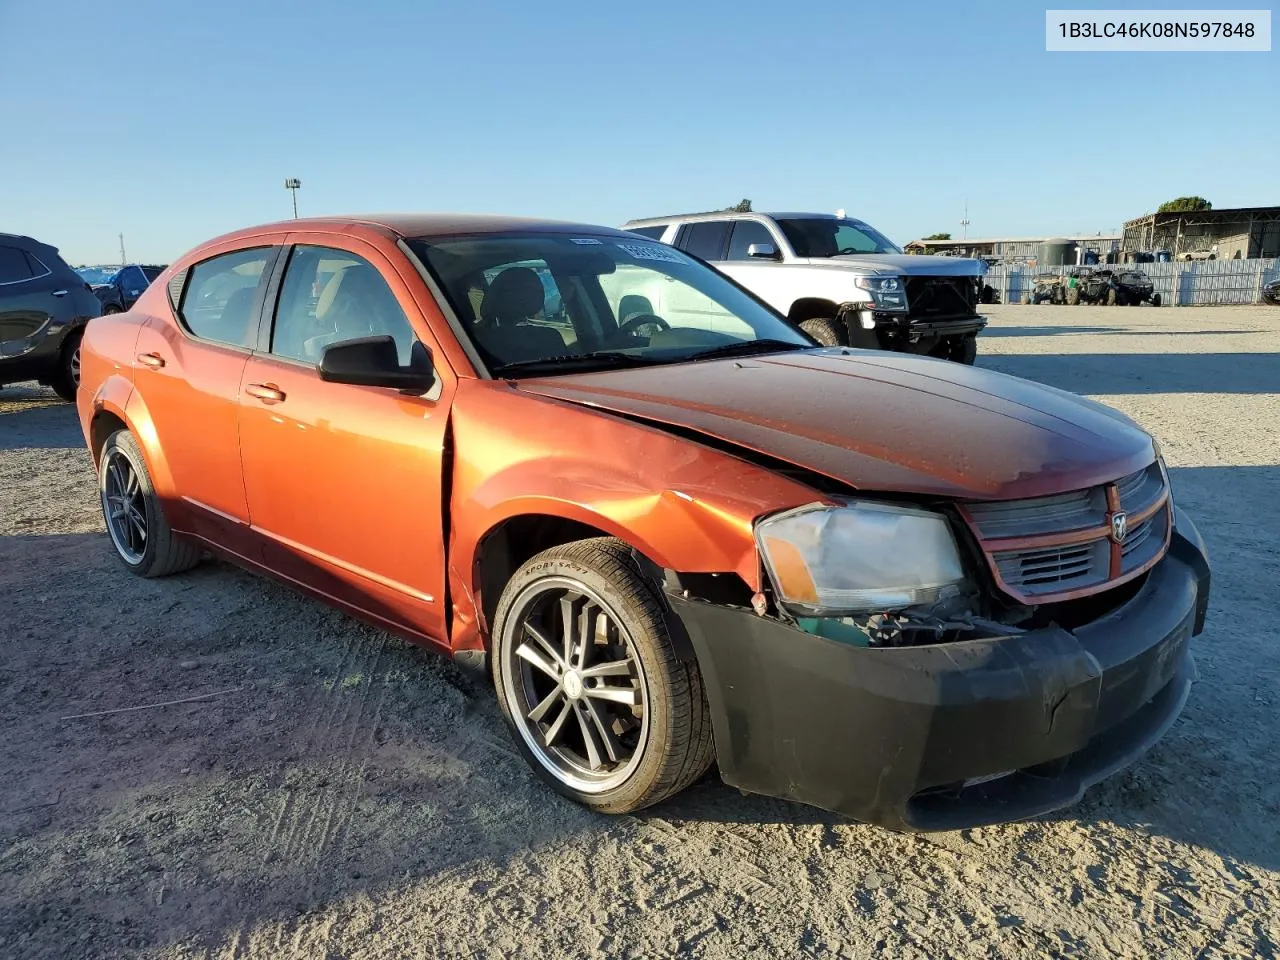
584, 240
651, 251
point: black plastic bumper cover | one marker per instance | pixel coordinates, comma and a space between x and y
891, 736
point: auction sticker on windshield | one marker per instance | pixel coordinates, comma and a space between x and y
650, 251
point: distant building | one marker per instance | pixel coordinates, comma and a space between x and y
1234, 234
1015, 249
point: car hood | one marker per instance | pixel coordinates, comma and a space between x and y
879, 421
903, 265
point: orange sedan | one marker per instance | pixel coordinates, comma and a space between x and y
595, 466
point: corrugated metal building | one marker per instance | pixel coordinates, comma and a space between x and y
1240, 233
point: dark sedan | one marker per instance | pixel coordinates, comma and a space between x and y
1271, 292
120, 290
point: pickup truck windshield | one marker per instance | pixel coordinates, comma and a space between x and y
833, 237
556, 303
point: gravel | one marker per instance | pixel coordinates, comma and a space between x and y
338, 793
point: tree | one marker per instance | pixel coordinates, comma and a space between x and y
1183, 204
742, 206
938, 236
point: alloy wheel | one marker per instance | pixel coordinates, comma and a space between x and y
576, 684
75, 365
123, 506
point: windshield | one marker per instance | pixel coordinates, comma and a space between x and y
833, 236
96, 274
545, 303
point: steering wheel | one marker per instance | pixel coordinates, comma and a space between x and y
632, 325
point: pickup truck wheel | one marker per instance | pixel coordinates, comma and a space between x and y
135, 522
598, 701
825, 330
66, 378
965, 349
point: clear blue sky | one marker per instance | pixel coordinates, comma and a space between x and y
173, 122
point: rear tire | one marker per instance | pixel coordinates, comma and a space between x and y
612, 677
111, 308
66, 379
825, 330
136, 524
1155, 299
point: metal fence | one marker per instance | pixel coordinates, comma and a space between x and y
1195, 284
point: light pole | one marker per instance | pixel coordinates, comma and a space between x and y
965, 222
292, 184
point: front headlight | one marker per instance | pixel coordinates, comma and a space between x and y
879, 284
887, 293
860, 558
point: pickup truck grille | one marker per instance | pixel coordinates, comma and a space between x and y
1048, 549
938, 298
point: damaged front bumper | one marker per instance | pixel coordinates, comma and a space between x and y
951, 735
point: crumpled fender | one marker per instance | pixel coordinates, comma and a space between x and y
685, 506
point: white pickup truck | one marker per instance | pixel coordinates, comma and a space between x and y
838, 279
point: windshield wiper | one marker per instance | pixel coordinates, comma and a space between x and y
600, 358
746, 348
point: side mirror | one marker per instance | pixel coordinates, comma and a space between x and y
375, 362
762, 251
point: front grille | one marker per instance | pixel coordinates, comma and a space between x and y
937, 298
1054, 569
1046, 549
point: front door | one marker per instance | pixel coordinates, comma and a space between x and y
190, 372
344, 482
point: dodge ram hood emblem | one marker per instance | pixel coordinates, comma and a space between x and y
1119, 527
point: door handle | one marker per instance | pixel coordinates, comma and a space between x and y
59, 293
266, 392
152, 360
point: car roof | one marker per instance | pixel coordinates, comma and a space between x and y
728, 215
427, 225
20, 239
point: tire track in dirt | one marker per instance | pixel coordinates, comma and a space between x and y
342, 724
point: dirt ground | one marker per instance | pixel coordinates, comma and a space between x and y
340, 794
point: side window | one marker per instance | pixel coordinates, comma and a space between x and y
218, 301
745, 233
331, 295
705, 240
14, 266
653, 233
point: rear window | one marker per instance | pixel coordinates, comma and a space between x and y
706, 240
653, 233
14, 265
219, 299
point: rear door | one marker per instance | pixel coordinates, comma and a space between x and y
682, 304
344, 483
187, 371
27, 301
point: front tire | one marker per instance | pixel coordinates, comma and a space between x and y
597, 699
825, 330
136, 524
